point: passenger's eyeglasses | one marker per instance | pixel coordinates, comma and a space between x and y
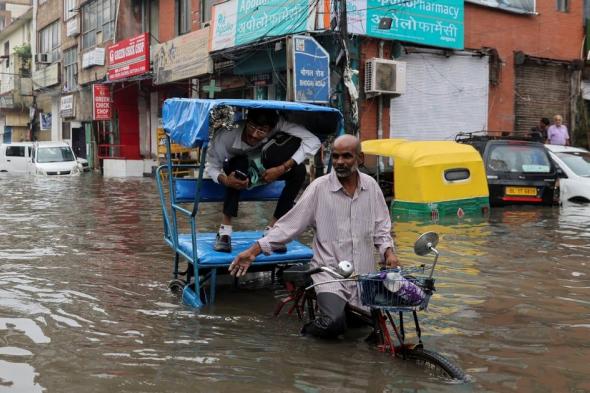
257, 130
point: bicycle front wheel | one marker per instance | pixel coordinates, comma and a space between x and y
434, 363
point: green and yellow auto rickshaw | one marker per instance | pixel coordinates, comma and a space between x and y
434, 179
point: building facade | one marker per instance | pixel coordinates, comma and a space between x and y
16, 95
536, 63
101, 69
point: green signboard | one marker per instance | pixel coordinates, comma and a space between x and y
239, 22
427, 22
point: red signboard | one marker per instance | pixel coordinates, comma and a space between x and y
101, 102
129, 57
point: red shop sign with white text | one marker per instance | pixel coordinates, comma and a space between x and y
129, 57
101, 102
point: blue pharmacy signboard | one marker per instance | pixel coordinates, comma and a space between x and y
311, 70
427, 22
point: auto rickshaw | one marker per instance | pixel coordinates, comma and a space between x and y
434, 179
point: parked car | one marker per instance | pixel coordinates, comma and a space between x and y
518, 171
41, 158
16, 157
574, 182
83, 164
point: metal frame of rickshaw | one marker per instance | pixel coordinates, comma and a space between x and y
186, 122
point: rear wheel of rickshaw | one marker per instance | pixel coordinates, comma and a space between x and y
176, 286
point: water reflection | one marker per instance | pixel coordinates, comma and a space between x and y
84, 304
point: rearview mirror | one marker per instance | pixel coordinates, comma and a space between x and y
425, 243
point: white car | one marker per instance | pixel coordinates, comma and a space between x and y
574, 183
40, 158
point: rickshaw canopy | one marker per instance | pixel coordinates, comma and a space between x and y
186, 120
432, 171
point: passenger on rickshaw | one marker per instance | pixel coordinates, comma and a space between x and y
350, 217
228, 164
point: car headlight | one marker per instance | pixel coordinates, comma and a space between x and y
40, 172
75, 171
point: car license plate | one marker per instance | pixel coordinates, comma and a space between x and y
529, 191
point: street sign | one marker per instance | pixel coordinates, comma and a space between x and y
129, 57
101, 102
311, 70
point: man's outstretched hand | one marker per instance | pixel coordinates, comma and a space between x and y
241, 263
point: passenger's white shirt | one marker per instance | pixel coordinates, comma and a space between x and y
228, 144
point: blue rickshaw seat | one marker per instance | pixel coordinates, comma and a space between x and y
208, 257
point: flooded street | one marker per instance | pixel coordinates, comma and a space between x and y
84, 304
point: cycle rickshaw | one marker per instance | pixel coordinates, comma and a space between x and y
191, 123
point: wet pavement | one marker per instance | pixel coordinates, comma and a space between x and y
84, 304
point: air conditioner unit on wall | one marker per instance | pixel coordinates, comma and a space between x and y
384, 76
42, 58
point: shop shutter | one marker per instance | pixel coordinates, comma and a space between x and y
444, 96
542, 90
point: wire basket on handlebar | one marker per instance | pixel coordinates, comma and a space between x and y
396, 290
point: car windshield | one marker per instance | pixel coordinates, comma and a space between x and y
55, 154
578, 162
518, 158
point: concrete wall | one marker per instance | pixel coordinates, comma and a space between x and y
129, 19
49, 12
167, 16
550, 34
369, 108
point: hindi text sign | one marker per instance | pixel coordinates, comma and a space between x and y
238, 22
426, 22
311, 70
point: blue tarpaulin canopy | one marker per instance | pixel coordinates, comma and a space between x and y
186, 120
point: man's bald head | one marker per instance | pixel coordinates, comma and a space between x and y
347, 142
346, 156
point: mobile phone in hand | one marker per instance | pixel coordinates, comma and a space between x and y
240, 175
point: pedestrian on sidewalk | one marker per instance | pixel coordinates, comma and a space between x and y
557, 134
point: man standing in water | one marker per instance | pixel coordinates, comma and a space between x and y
348, 212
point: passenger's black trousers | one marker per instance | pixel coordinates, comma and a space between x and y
294, 180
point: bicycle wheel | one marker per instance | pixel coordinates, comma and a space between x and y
434, 363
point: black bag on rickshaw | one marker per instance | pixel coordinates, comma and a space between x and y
279, 149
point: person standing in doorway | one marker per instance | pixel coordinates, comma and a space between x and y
557, 134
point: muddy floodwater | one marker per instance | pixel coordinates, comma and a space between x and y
84, 303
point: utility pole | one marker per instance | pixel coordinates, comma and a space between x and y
350, 93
